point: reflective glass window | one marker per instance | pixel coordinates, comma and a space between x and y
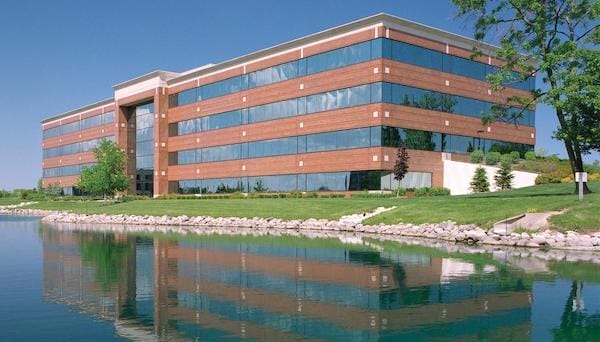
274, 74
464, 67
186, 127
338, 58
70, 127
220, 88
144, 149
273, 111
144, 162
321, 142
222, 120
273, 147
223, 185
144, 121
108, 117
334, 181
92, 121
145, 134
189, 187
353, 138
219, 153
416, 55
279, 183
186, 157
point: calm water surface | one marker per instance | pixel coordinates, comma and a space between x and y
86, 286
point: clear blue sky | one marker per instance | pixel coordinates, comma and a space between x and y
59, 55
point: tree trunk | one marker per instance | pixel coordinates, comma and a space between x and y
572, 146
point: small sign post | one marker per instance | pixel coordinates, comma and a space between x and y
581, 177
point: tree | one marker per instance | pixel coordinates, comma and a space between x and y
480, 181
108, 176
504, 176
259, 186
401, 165
558, 39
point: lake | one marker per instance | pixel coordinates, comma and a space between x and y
69, 284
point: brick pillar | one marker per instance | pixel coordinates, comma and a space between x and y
161, 134
125, 135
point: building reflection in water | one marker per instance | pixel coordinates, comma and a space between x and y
217, 287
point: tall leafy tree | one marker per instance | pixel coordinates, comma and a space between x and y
558, 39
108, 176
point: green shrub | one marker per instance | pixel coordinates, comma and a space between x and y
515, 156
312, 194
439, 191
31, 195
127, 198
366, 194
434, 191
554, 158
295, 194
506, 159
401, 192
492, 158
332, 196
237, 194
421, 192
476, 156
530, 155
547, 179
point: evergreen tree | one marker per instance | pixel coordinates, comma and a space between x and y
480, 181
504, 176
401, 165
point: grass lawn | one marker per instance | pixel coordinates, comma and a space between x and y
480, 209
485, 209
301, 208
10, 200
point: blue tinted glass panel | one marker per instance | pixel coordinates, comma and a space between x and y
144, 149
273, 147
338, 58
108, 117
415, 55
144, 162
187, 96
223, 120
144, 121
273, 111
186, 127
92, 121
279, 183
220, 88
321, 142
335, 181
353, 138
218, 153
186, 157
145, 134
465, 67
71, 127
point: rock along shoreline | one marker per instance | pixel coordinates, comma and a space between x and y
446, 231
